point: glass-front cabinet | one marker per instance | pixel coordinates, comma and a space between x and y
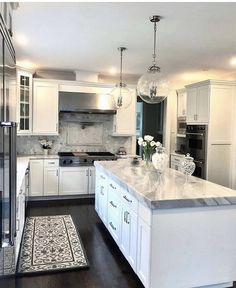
24, 102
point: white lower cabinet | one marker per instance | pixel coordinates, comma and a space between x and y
50, 181
101, 197
73, 180
44, 177
175, 161
143, 252
20, 217
118, 210
128, 235
91, 187
36, 177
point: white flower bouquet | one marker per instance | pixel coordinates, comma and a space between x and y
46, 144
149, 146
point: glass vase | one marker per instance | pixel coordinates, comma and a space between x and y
160, 159
187, 166
147, 157
45, 151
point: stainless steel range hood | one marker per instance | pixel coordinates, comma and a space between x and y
86, 103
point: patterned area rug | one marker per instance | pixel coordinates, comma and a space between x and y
50, 243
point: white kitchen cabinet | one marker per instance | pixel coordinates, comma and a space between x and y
143, 252
20, 216
124, 122
73, 180
51, 177
101, 196
197, 104
45, 108
36, 177
175, 161
91, 184
24, 102
181, 102
128, 234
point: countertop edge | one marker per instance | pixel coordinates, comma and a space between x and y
170, 203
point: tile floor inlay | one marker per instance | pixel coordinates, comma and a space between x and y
50, 243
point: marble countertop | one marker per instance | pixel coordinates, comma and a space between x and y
40, 156
168, 191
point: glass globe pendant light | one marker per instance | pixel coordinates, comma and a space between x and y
120, 93
151, 87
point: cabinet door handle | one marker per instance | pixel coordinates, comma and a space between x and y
128, 200
101, 191
112, 204
127, 215
112, 226
102, 177
196, 116
87, 173
113, 187
51, 162
90, 173
57, 172
57, 127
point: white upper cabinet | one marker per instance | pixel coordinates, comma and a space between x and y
181, 103
24, 102
198, 104
124, 120
45, 108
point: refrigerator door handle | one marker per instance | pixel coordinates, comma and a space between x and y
1, 230
12, 184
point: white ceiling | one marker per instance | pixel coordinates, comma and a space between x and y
193, 39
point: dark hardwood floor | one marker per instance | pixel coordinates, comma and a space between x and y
108, 267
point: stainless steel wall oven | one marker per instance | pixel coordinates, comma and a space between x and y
196, 145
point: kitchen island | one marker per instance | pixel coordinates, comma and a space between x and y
173, 234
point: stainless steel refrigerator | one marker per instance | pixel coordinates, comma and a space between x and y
7, 154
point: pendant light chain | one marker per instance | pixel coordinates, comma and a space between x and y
154, 45
121, 62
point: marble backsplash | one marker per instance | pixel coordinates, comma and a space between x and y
78, 132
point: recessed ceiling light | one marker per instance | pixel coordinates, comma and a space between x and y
21, 39
233, 61
112, 71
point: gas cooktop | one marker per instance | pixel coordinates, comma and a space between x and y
83, 158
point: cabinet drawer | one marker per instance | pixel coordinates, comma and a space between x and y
113, 186
129, 200
113, 225
101, 176
177, 159
51, 162
113, 202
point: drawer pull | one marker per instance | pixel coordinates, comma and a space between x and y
102, 177
126, 215
112, 226
113, 187
51, 162
125, 197
112, 204
102, 187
